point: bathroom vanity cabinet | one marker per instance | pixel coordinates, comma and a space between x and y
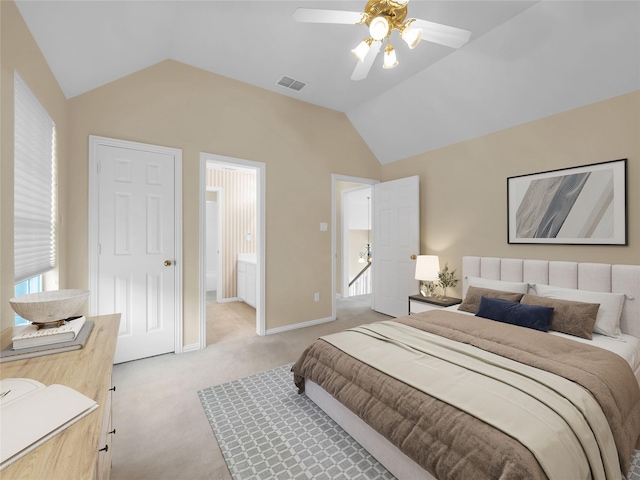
247, 278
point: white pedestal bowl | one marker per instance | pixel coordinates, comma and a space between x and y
49, 306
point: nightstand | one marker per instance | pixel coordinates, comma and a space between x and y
418, 303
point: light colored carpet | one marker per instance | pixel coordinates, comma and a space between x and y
266, 430
162, 430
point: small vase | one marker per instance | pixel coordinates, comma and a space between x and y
444, 293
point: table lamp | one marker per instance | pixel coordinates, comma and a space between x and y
427, 268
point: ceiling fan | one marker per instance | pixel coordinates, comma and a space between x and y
382, 17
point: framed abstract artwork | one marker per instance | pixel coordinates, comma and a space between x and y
584, 205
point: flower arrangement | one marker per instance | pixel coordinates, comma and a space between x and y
446, 279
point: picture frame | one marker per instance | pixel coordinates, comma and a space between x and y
584, 205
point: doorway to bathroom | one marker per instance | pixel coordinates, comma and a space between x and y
231, 248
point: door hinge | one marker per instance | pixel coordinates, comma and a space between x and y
99, 249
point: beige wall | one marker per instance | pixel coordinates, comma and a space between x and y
172, 104
19, 52
463, 194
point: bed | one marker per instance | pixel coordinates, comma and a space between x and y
448, 394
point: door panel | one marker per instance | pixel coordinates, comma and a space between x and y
136, 235
396, 237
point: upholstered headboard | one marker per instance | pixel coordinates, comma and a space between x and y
598, 277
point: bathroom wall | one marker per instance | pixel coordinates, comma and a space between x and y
238, 223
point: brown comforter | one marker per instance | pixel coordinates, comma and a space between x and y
450, 443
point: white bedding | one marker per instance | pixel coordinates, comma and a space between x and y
628, 346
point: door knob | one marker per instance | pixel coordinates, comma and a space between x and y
413, 257
167, 263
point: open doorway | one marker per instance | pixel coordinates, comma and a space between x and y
356, 241
352, 200
231, 247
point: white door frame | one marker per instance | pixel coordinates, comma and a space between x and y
93, 239
260, 239
339, 178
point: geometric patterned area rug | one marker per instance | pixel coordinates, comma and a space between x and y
634, 472
267, 431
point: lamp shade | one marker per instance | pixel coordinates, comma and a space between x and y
411, 36
362, 49
390, 60
427, 267
379, 28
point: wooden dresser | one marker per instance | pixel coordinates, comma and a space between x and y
78, 452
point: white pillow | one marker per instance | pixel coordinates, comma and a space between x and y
608, 318
515, 287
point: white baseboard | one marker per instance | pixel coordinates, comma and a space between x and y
196, 346
190, 348
227, 300
295, 326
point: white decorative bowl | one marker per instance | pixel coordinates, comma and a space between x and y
49, 306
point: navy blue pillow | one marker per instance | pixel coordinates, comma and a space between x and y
530, 316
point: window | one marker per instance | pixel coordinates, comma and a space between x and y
33, 285
34, 193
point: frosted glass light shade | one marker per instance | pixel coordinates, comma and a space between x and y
427, 267
390, 60
379, 28
411, 36
362, 49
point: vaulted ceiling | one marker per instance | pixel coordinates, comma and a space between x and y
525, 60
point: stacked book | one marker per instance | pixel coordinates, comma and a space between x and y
30, 341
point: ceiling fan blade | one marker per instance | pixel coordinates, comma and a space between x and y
314, 15
453, 37
362, 68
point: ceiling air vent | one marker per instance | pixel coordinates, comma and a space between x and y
291, 83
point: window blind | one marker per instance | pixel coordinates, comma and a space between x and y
34, 206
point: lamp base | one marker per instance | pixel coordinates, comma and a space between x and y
427, 288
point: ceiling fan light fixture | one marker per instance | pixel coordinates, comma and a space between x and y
362, 49
411, 36
379, 27
382, 17
390, 60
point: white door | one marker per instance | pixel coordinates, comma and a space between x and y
136, 236
396, 238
